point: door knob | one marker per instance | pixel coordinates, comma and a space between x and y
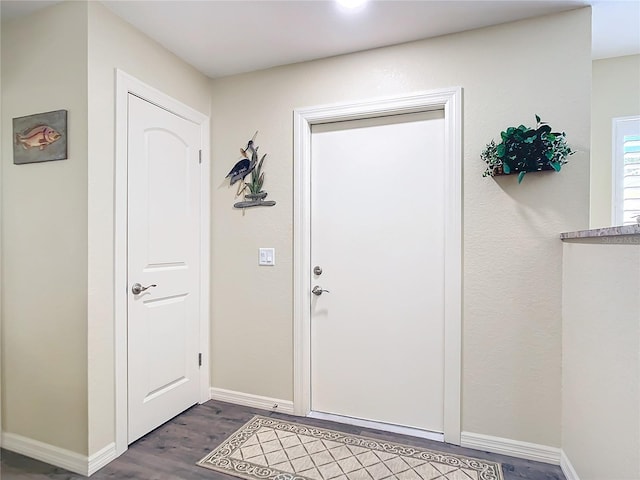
138, 289
317, 290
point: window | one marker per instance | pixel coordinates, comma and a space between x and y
626, 170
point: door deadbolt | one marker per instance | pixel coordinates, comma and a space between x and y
317, 270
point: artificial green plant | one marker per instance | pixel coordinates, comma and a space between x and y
525, 149
257, 178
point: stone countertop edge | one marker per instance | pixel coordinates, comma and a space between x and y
619, 231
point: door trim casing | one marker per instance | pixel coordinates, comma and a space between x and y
125, 85
449, 100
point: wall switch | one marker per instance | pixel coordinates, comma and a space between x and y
267, 256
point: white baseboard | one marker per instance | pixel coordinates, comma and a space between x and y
567, 468
250, 400
59, 457
44, 452
514, 448
101, 458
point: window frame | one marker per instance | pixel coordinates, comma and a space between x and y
620, 127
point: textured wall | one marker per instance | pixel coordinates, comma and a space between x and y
58, 218
44, 228
511, 382
1, 290
512, 254
601, 360
615, 93
113, 43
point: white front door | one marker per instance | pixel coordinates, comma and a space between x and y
163, 255
377, 234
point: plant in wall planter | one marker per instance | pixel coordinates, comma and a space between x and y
525, 149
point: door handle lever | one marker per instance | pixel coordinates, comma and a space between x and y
317, 290
137, 289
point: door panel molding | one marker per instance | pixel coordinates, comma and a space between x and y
125, 85
450, 100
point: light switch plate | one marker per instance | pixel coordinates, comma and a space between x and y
267, 256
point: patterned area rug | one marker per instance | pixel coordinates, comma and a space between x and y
268, 448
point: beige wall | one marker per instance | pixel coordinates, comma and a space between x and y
58, 377
44, 223
113, 44
615, 93
511, 382
1, 156
601, 360
512, 255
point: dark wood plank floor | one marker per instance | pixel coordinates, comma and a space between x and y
172, 450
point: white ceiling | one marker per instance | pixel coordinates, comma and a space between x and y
615, 28
222, 38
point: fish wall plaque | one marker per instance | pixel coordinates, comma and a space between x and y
40, 138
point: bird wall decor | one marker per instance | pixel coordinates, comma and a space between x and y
249, 164
244, 166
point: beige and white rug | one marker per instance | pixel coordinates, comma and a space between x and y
269, 448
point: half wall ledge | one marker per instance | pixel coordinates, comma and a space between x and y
619, 234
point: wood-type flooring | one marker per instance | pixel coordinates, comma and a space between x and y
171, 451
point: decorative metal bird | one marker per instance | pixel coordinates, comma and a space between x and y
240, 170
249, 146
244, 167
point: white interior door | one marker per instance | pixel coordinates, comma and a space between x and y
163, 254
377, 233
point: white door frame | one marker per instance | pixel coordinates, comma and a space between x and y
450, 100
125, 85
